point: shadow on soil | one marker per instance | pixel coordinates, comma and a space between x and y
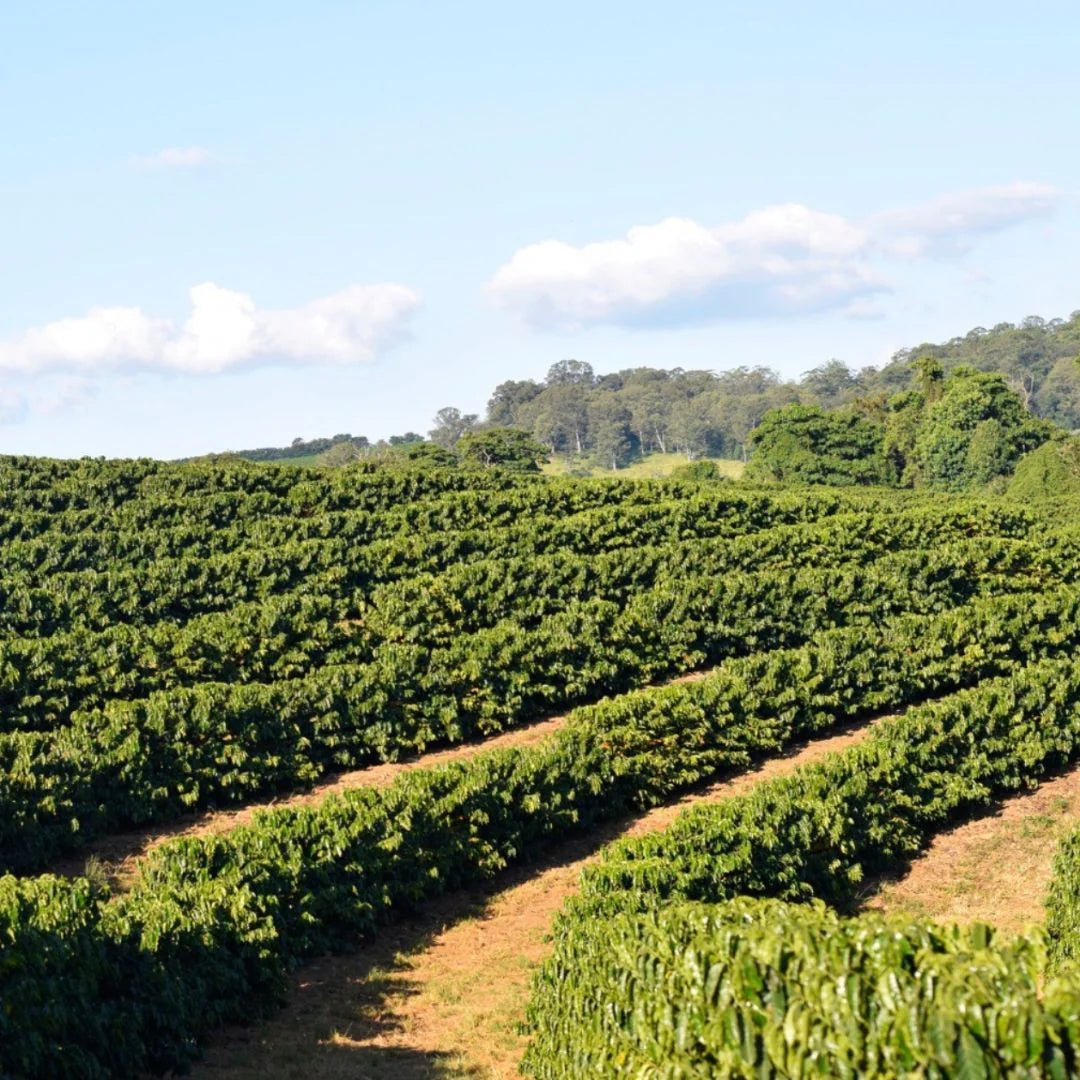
339, 1009
878, 880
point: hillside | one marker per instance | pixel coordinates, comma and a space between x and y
640, 419
303, 705
1037, 356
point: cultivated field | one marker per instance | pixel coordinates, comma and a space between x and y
393, 773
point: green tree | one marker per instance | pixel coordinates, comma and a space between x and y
450, 425
504, 405
736, 413
429, 455
507, 448
647, 396
903, 414
1058, 398
576, 372
691, 426
558, 417
976, 430
929, 377
804, 444
1049, 470
831, 384
700, 472
609, 430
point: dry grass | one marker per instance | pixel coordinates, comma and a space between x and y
994, 869
651, 467
441, 995
115, 858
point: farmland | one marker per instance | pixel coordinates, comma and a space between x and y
254, 717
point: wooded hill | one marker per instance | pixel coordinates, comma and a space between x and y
619, 416
613, 419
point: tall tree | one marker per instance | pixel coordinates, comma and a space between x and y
504, 405
831, 384
558, 417
570, 371
647, 396
1058, 398
691, 426
804, 444
609, 430
450, 425
976, 430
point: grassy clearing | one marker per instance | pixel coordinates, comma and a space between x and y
995, 869
649, 467
303, 459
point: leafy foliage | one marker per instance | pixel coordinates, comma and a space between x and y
817, 834
213, 923
505, 447
177, 637
1063, 903
759, 988
1050, 471
975, 431
803, 444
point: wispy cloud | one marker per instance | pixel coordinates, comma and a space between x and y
781, 260
13, 405
224, 331
952, 224
173, 157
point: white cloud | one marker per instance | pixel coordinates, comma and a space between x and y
224, 331
174, 157
781, 260
51, 394
950, 225
13, 405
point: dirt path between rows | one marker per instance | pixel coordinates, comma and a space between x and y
115, 856
995, 868
440, 995
118, 853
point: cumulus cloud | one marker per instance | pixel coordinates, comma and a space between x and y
224, 331
173, 157
781, 260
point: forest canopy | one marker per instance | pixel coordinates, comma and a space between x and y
614, 418
951, 415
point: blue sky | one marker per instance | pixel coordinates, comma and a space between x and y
230, 224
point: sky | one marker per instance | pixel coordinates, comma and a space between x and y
230, 224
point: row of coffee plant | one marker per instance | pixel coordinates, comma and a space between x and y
150, 759
756, 988
819, 834
326, 619
179, 587
108, 986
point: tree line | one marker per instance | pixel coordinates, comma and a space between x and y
614, 418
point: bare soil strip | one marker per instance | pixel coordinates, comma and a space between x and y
115, 856
440, 995
995, 869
